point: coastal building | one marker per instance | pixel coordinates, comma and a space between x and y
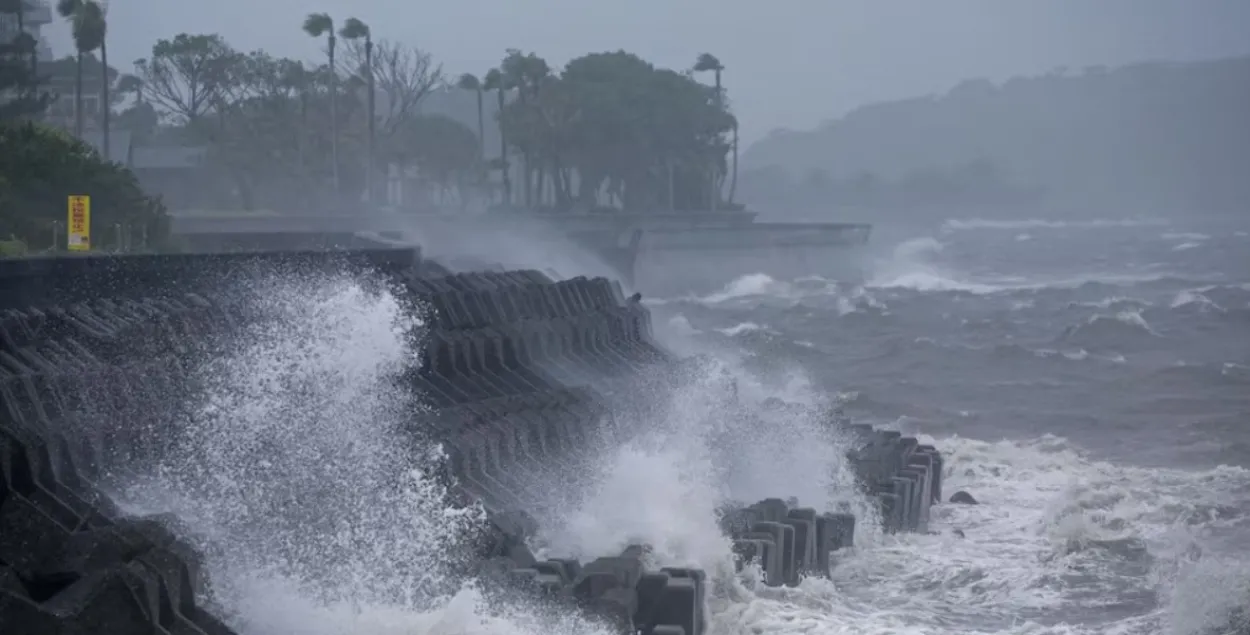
38, 14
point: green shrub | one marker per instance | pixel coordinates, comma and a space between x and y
12, 247
40, 167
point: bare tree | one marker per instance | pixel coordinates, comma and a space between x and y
405, 76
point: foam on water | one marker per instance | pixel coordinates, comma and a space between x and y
1062, 543
742, 328
913, 265
754, 284
919, 265
1040, 223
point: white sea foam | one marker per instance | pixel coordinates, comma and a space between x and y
914, 264
742, 328
1041, 223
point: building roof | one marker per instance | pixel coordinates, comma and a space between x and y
141, 157
38, 13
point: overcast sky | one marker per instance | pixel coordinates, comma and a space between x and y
789, 63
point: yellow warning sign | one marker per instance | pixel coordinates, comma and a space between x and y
79, 236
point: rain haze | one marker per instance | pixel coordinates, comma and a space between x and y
790, 64
799, 260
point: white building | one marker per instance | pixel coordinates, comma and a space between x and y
38, 14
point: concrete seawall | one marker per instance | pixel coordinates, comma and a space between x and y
521, 376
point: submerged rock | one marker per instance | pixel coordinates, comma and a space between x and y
963, 498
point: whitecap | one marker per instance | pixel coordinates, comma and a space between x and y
1039, 223
741, 328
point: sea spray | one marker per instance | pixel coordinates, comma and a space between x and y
298, 470
720, 436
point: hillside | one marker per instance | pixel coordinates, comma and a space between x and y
1152, 136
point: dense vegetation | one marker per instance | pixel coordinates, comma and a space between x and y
20, 95
607, 129
40, 167
1149, 137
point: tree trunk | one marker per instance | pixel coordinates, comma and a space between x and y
78, 96
481, 128
528, 183
715, 184
672, 186
302, 141
334, 124
104, 102
373, 121
34, 63
503, 156
733, 179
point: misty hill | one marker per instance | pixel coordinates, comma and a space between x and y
1152, 136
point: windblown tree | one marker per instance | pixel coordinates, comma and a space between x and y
494, 80
87, 26
187, 76
708, 62
613, 124
607, 129
140, 118
526, 74
317, 25
106, 80
446, 152
355, 31
253, 113
470, 82
278, 134
405, 76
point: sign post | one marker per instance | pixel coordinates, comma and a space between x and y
78, 238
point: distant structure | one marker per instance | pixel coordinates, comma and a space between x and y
38, 14
60, 84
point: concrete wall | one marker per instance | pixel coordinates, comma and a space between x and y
43, 280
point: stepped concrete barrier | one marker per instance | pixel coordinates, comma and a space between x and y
523, 377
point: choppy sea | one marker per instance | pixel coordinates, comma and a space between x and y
1089, 383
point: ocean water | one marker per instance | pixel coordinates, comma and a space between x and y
1090, 385
1088, 382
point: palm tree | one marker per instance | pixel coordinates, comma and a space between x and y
87, 26
317, 25
708, 62
469, 81
97, 16
494, 80
354, 29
